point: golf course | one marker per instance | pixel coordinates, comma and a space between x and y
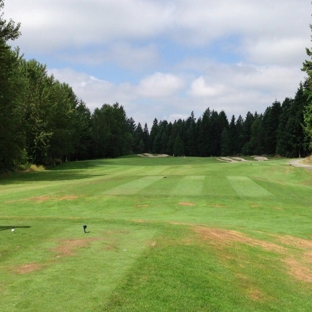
163, 234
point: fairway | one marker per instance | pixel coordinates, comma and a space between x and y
245, 187
163, 234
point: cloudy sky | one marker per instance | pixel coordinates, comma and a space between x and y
166, 58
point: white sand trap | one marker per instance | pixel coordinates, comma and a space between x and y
227, 159
259, 158
238, 158
151, 155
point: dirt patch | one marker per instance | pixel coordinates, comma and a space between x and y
142, 205
27, 268
256, 295
69, 197
68, 247
299, 270
227, 237
218, 205
186, 204
111, 246
296, 242
40, 198
296, 252
277, 208
46, 197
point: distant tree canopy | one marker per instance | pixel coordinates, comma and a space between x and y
307, 67
42, 121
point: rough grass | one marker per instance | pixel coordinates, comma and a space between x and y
210, 236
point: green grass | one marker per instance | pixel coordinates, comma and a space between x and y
165, 234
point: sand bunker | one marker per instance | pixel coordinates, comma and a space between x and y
151, 155
236, 159
259, 158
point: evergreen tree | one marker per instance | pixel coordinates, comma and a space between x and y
153, 134
12, 138
246, 133
163, 136
110, 131
296, 125
307, 67
255, 145
270, 125
146, 139
139, 146
204, 133
233, 137
283, 146
240, 136
82, 132
178, 149
190, 136
225, 142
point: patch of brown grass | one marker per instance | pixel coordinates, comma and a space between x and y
296, 252
308, 160
218, 205
226, 237
299, 270
296, 242
256, 294
186, 204
142, 205
40, 198
68, 247
68, 197
27, 268
46, 197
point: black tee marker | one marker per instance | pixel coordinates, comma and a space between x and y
85, 228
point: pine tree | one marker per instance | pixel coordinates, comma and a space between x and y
12, 138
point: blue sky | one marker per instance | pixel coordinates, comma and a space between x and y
165, 59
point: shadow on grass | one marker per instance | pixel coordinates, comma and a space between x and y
9, 227
134, 160
47, 175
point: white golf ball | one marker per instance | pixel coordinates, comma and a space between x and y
12, 230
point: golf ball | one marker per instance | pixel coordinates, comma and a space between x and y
12, 230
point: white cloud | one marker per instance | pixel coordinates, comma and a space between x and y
64, 24
201, 88
94, 92
177, 55
134, 58
122, 54
160, 85
282, 51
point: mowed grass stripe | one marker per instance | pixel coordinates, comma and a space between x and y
161, 187
133, 187
245, 187
216, 185
189, 185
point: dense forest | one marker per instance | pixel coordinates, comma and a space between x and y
43, 122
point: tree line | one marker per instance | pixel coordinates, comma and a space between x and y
43, 122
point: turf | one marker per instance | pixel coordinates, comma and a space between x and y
164, 234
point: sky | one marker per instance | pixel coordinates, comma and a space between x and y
166, 58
